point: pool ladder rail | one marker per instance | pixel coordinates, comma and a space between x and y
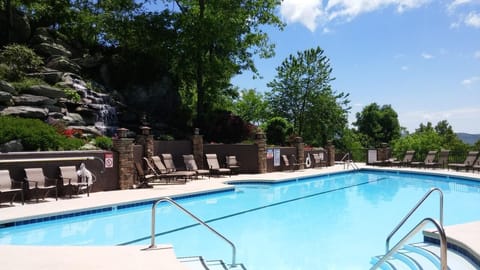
348, 162
383, 261
218, 264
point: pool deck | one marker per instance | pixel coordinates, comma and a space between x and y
134, 257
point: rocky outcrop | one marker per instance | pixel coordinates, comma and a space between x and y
26, 112
65, 97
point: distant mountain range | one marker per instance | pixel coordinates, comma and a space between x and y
468, 138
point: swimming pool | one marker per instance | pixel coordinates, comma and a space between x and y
337, 221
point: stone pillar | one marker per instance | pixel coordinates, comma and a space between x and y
300, 146
126, 166
146, 140
330, 153
261, 142
197, 147
383, 152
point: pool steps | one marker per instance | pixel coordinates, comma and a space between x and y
425, 256
199, 263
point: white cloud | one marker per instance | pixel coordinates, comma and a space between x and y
470, 81
311, 13
307, 12
476, 55
404, 68
473, 19
457, 3
427, 56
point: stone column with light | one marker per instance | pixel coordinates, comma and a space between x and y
124, 146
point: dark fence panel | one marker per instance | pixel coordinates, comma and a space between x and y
175, 148
247, 155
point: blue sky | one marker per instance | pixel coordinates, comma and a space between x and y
420, 56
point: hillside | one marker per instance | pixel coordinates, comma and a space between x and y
468, 138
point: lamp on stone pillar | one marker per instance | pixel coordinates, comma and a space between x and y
122, 132
145, 130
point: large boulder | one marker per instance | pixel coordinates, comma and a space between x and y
25, 111
52, 49
74, 119
45, 90
5, 98
62, 63
32, 100
6, 87
12, 146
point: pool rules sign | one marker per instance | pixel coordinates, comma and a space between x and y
109, 160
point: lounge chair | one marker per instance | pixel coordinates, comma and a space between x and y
319, 160
70, 179
441, 162
168, 175
170, 165
431, 156
232, 163
37, 183
476, 166
407, 158
145, 177
467, 164
8, 188
214, 166
191, 165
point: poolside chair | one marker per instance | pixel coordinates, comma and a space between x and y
191, 165
214, 166
166, 174
441, 162
467, 164
37, 183
232, 163
407, 158
170, 165
70, 179
145, 177
9, 188
319, 160
431, 156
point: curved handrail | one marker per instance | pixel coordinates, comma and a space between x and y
400, 224
415, 230
167, 199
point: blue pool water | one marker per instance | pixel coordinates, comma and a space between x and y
330, 222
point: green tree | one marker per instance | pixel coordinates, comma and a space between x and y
251, 106
302, 94
216, 40
379, 124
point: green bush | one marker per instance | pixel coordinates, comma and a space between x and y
20, 60
104, 142
277, 129
25, 83
35, 135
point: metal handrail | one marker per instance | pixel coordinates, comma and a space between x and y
415, 230
400, 224
167, 199
349, 162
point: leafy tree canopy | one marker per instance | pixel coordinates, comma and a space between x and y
379, 124
302, 94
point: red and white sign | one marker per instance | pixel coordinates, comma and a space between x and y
108, 160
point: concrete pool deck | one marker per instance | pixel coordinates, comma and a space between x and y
133, 257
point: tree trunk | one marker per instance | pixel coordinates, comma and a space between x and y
200, 71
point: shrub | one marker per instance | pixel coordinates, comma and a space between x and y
20, 60
104, 142
277, 129
25, 83
35, 135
